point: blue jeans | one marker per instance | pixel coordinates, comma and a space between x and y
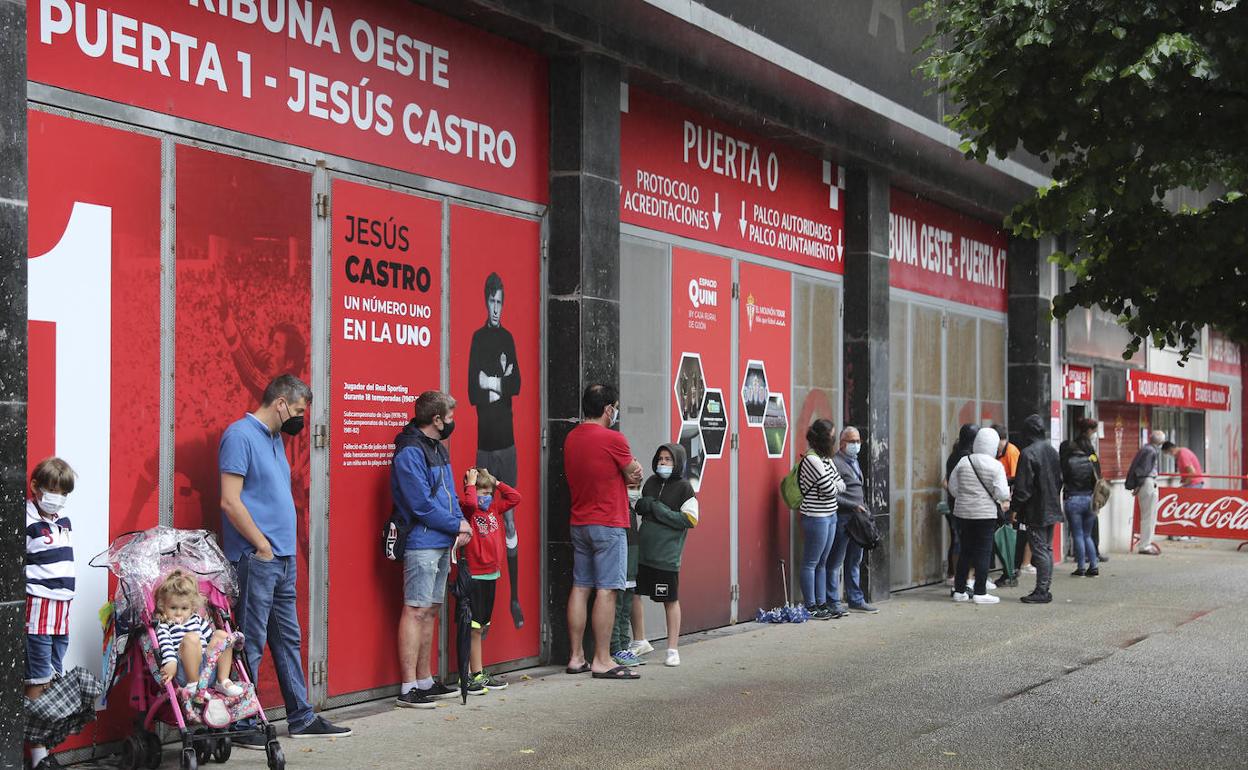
817, 534
1082, 518
266, 610
847, 553
45, 656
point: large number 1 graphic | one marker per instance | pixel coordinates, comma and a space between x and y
71, 288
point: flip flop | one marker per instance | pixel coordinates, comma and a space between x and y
619, 672
584, 669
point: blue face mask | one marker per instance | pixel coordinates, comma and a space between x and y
852, 448
664, 471
485, 501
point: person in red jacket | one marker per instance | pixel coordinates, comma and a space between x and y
484, 500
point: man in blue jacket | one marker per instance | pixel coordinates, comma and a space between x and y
423, 487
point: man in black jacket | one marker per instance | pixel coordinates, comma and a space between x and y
1037, 502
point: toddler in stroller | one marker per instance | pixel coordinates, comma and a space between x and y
173, 632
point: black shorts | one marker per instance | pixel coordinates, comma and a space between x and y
659, 584
482, 602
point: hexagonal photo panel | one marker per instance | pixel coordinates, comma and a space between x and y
775, 425
713, 422
689, 387
754, 393
695, 452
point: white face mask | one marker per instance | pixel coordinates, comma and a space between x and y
664, 470
52, 503
615, 416
852, 448
634, 494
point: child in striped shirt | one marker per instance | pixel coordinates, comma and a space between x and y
183, 633
49, 582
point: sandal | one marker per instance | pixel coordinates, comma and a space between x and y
619, 672
583, 669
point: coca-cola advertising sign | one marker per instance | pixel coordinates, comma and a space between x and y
1217, 513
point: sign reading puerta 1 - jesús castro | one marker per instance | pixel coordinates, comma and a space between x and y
382, 82
684, 173
941, 253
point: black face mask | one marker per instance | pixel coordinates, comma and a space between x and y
293, 425
447, 429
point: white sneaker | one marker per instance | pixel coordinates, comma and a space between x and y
228, 688
640, 647
986, 599
216, 715
673, 658
991, 586
961, 596
1027, 569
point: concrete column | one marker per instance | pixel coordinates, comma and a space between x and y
13, 191
1029, 337
866, 353
583, 309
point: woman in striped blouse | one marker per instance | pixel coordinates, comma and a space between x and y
183, 632
819, 483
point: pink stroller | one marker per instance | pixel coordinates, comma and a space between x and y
140, 561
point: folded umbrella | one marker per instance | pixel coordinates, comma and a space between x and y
1006, 541
463, 621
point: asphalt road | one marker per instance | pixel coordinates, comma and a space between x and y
1141, 667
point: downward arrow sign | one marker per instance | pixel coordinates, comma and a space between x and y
715, 214
840, 245
742, 220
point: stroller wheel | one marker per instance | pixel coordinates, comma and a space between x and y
203, 750
221, 752
189, 760
152, 750
131, 753
277, 759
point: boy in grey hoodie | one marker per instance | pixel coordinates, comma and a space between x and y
668, 510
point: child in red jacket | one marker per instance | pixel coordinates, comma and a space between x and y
484, 500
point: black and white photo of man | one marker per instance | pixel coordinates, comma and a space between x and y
493, 380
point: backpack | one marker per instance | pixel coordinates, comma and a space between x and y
861, 529
790, 490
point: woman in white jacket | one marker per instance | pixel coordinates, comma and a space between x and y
977, 484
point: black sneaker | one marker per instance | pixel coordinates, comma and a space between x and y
495, 682
1079, 572
416, 698
476, 684
836, 613
1092, 572
252, 741
49, 762
819, 612
1102, 557
1037, 598
319, 728
1008, 582
440, 690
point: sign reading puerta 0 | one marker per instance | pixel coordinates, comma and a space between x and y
386, 83
687, 174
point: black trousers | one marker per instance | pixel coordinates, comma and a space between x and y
976, 541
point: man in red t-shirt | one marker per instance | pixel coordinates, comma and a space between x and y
1187, 464
599, 465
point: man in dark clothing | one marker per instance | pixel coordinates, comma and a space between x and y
493, 380
1037, 502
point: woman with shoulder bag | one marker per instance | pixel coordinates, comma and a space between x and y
820, 484
978, 486
1081, 471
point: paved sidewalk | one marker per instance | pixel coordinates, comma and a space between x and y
1142, 667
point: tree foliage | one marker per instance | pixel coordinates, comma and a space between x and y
1128, 100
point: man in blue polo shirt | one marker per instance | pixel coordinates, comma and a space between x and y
258, 529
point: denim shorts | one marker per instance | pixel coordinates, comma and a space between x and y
45, 657
424, 576
599, 557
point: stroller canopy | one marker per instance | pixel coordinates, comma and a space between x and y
140, 560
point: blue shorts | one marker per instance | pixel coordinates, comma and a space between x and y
599, 557
45, 657
424, 576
